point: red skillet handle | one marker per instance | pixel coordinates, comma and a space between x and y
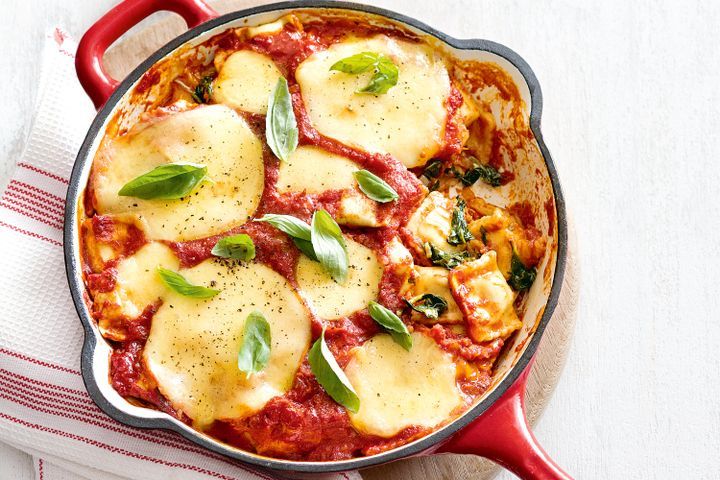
88, 62
503, 435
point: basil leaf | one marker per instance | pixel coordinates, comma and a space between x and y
521, 277
203, 90
293, 226
281, 130
329, 245
459, 232
486, 173
358, 63
330, 376
385, 72
177, 282
386, 77
255, 349
305, 247
444, 259
395, 326
239, 247
432, 306
298, 231
168, 182
375, 187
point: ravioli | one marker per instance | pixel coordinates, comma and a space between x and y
432, 222
485, 298
245, 81
399, 388
214, 136
331, 300
193, 344
434, 280
408, 121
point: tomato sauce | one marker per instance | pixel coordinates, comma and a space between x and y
305, 423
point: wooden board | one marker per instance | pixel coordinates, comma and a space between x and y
147, 37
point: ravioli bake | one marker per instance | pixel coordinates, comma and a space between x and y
300, 238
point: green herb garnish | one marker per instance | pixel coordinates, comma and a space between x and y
296, 229
444, 259
255, 349
486, 173
281, 130
238, 247
329, 245
375, 187
177, 282
203, 90
392, 323
521, 277
459, 232
330, 376
432, 306
167, 182
433, 169
385, 72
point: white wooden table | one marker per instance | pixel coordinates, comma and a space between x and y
632, 91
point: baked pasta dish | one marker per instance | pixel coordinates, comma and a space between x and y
300, 238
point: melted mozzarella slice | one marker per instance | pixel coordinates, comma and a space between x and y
314, 170
432, 222
329, 299
214, 136
435, 280
136, 283
193, 344
399, 389
407, 122
136, 287
485, 298
245, 81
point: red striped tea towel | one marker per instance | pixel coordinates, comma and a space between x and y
44, 408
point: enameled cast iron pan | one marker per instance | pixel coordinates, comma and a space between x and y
496, 427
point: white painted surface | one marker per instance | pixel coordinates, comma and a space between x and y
631, 116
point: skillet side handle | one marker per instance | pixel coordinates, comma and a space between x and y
502, 435
98, 84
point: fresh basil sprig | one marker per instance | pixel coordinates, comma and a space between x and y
385, 72
168, 182
295, 228
521, 277
459, 231
281, 130
177, 282
329, 245
203, 91
322, 241
255, 349
444, 259
238, 247
392, 323
432, 306
375, 187
330, 376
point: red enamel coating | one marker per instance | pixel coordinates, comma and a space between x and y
503, 435
98, 84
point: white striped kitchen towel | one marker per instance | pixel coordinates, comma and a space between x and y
44, 408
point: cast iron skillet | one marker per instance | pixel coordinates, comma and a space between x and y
495, 428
